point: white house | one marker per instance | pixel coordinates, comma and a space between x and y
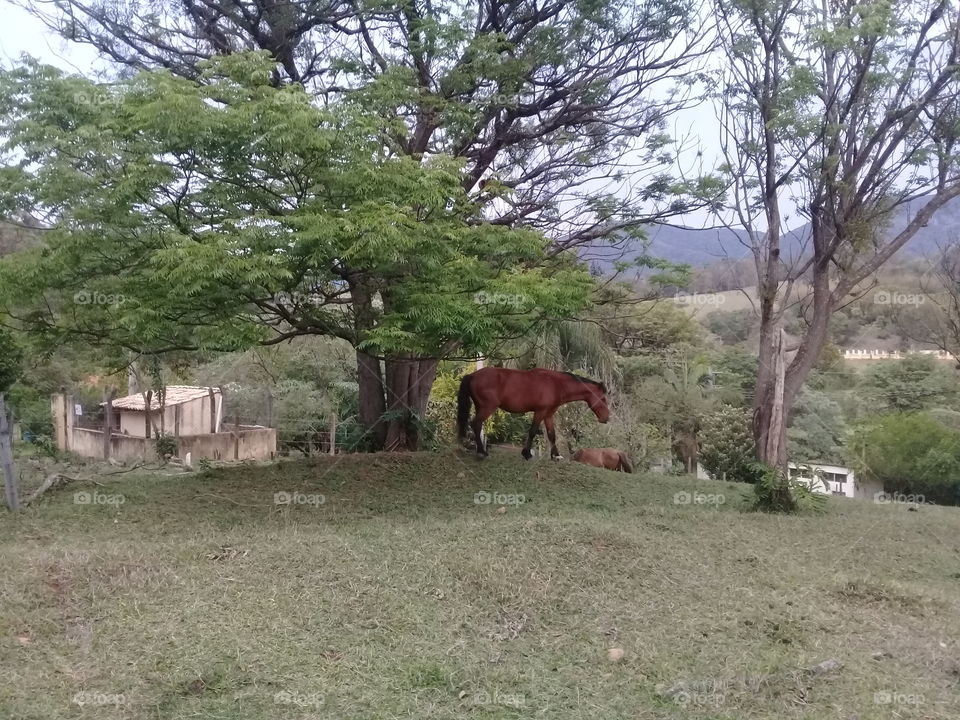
830, 479
187, 410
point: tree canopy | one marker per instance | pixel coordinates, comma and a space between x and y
221, 214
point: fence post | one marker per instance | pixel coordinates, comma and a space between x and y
269, 408
6, 458
220, 416
213, 410
148, 402
236, 435
107, 422
333, 433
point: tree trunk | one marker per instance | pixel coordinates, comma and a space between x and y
6, 458
372, 401
369, 375
408, 384
770, 424
686, 448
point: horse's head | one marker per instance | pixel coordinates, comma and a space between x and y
597, 401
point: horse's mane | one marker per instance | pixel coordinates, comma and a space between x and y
582, 379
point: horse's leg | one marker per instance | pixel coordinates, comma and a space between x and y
552, 437
477, 424
533, 432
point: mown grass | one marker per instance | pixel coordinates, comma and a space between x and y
399, 597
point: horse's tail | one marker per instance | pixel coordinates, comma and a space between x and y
464, 398
625, 463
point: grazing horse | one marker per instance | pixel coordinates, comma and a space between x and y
609, 458
521, 391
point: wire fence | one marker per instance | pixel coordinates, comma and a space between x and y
306, 424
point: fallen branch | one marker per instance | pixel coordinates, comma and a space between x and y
126, 470
54, 481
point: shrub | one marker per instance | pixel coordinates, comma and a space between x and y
769, 488
727, 449
910, 453
166, 446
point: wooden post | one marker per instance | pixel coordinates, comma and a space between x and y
107, 422
176, 420
269, 408
223, 399
236, 435
162, 394
6, 458
147, 403
333, 433
213, 410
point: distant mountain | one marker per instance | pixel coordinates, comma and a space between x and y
704, 247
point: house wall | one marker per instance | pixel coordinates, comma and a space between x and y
194, 418
823, 485
132, 423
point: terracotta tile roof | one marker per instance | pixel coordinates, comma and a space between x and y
176, 395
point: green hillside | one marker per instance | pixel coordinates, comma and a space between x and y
387, 591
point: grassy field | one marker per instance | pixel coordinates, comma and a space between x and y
385, 590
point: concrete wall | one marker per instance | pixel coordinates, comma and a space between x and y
189, 418
249, 444
89, 443
864, 354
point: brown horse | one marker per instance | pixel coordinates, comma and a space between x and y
521, 391
609, 458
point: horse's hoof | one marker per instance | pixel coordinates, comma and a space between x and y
526, 454
481, 456
558, 457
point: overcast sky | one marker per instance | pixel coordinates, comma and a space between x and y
21, 33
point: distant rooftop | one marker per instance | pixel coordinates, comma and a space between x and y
175, 395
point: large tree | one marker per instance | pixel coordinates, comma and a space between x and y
217, 215
563, 103
847, 109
